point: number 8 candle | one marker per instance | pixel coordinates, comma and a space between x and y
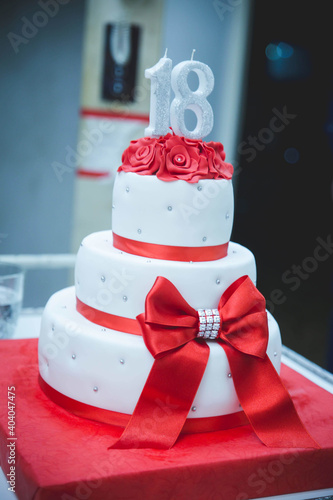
185, 98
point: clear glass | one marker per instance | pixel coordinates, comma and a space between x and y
11, 295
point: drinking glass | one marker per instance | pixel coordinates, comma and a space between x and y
11, 295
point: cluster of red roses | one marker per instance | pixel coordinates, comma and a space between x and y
172, 157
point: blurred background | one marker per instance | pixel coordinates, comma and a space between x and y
63, 128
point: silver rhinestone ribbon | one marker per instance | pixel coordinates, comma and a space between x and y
209, 323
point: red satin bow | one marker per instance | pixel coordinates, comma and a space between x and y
169, 328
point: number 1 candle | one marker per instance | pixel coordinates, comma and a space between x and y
159, 97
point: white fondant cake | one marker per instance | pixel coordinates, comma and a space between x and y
173, 213
164, 225
77, 356
116, 282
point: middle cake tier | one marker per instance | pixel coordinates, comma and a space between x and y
117, 283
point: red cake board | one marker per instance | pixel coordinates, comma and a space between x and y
60, 456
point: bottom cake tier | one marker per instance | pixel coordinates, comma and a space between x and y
107, 369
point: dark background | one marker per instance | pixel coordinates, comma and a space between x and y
284, 185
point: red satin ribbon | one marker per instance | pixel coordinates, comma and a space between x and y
192, 425
169, 328
167, 252
119, 323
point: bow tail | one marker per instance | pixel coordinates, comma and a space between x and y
166, 399
266, 402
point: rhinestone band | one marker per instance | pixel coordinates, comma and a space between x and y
209, 323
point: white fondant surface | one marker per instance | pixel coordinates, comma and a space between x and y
76, 356
173, 213
117, 282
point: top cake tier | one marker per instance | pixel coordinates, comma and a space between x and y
173, 199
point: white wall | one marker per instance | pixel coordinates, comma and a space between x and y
39, 89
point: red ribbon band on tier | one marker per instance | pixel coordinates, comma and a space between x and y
192, 425
169, 327
168, 252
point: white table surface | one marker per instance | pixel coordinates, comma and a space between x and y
29, 327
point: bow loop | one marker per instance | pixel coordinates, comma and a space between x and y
244, 320
169, 321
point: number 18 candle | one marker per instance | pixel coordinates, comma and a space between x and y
161, 116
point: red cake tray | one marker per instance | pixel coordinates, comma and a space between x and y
49, 454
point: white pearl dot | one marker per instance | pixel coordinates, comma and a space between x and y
218, 281
199, 188
73, 356
127, 189
227, 215
113, 206
124, 298
139, 231
103, 278
169, 208
122, 361
95, 389
275, 354
52, 328
229, 375
194, 408
204, 238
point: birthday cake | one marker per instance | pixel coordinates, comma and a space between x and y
165, 330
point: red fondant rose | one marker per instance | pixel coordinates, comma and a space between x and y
216, 164
183, 160
143, 156
172, 157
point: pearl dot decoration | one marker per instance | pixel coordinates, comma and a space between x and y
275, 354
125, 298
52, 328
194, 408
199, 188
127, 189
227, 215
73, 356
139, 231
95, 389
218, 281
103, 278
122, 361
204, 238
229, 375
170, 208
